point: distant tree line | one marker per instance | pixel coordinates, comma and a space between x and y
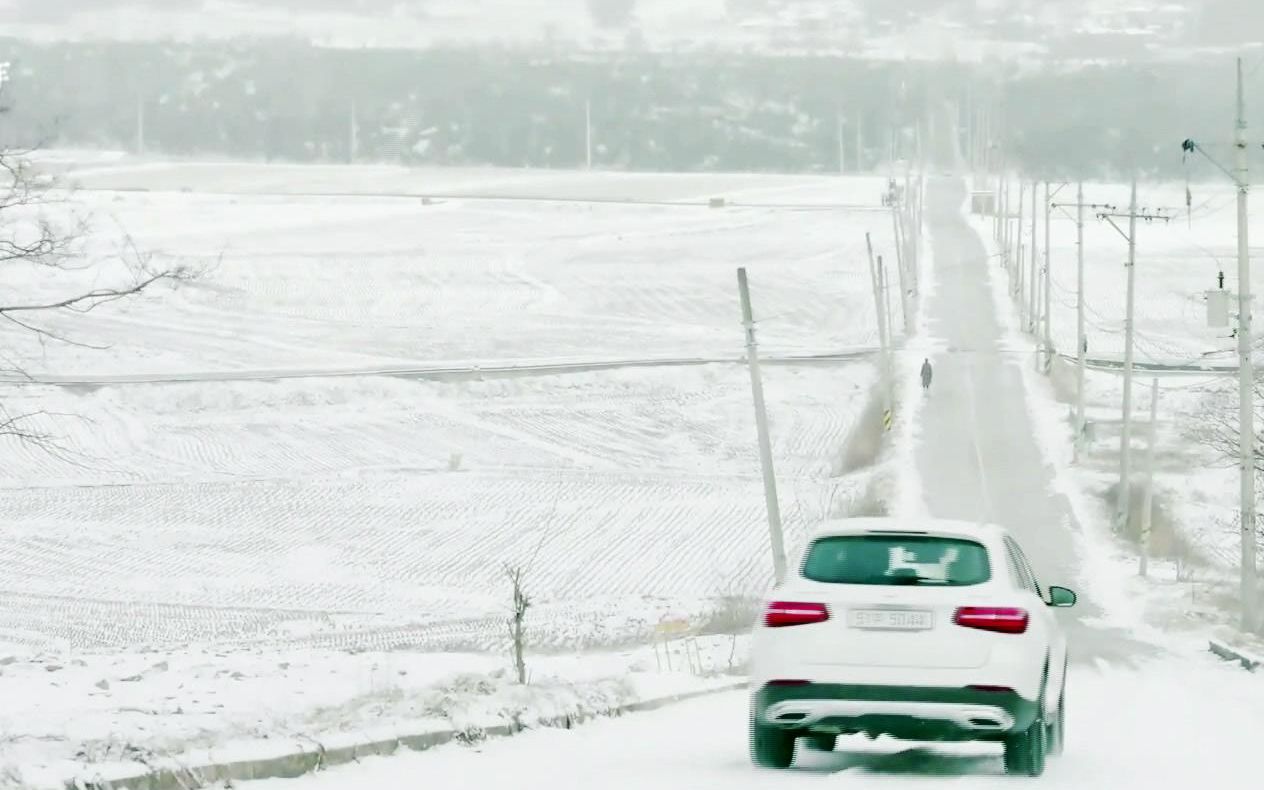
282, 100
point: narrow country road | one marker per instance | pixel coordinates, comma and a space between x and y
976, 451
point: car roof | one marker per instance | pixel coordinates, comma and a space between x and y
932, 526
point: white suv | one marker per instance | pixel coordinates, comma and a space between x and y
927, 631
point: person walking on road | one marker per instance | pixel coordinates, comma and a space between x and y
927, 373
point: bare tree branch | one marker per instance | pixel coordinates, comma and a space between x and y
19, 427
12, 426
1217, 428
30, 237
86, 302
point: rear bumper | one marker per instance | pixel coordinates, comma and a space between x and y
908, 712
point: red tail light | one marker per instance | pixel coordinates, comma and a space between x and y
783, 613
1002, 620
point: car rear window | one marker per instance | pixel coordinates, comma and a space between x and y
897, 560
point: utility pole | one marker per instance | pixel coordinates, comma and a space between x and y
883, 286
883, 338
982, 137
908, 231
1008, 231
1048, 282
588, 135
1005, 220
1125, 439
896, 205
842, 145
971, 116
919, 224
761, 424
353, 138
1018, 239
1033, 311
891, 148
1081, 339
1011, 249
860, 142
1241, 177
1246, 373
140, 126
1147, 507
999, 211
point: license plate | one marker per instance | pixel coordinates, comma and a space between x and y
891, 619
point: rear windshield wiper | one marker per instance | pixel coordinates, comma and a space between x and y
914, 579
890, 581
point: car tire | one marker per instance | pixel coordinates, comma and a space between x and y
820, 741
1057, 729
770, 747
1025, 752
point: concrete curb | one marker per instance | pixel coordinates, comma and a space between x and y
171, 774
1249, 662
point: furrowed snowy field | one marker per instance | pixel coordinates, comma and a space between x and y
193, 543
1177, 262
330, 283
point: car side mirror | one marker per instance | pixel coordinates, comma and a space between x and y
1061, 597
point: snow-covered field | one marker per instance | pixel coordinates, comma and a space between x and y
330, 283
119, 711
239, 543
221, 512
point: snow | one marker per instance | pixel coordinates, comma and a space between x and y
909, 500
1098, 554
1190, 593
212, 560
1176, 263
1144, 727
358, 281
243, 565
89, 172
1137, 722
355, 473
111, 710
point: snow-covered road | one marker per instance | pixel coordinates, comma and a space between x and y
1178, 723
977, 446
